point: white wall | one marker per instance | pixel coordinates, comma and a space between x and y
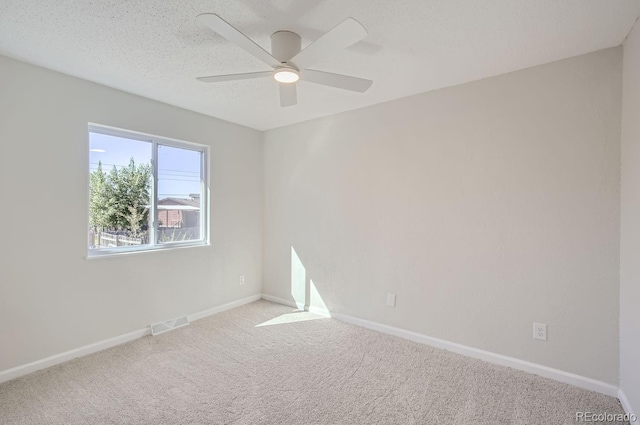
51, 298
484, 207
630, 224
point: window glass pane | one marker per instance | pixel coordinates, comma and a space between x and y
119, 191
179, 194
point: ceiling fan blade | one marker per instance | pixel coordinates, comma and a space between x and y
234, 77
225, 29
288, 94
339, 37
336, 80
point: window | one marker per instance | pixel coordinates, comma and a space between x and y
145, 192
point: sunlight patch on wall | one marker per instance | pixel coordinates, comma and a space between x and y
316, 302
298, 280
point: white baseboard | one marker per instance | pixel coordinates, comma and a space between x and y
319, 311
282, 301
311, 309
224, 307
624, 401
536, 369
16, 372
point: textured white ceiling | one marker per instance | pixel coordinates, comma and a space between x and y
156, 48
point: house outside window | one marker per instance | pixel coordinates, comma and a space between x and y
179, 217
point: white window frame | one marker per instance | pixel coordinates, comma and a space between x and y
153, 229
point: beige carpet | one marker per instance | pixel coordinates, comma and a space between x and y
296, 368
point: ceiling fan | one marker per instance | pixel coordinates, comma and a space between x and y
289, 62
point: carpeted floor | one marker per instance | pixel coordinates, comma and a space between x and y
264, 363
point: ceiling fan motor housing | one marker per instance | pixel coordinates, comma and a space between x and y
285, 45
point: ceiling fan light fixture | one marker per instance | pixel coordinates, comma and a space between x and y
286, 75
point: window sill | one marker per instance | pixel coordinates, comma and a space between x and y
110, 253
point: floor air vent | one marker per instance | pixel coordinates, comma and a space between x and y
163, 327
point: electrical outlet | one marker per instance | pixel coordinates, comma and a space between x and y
539, 331
241, 279
391, 300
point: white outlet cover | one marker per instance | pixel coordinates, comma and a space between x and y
540, 331
241, 279
391, 300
